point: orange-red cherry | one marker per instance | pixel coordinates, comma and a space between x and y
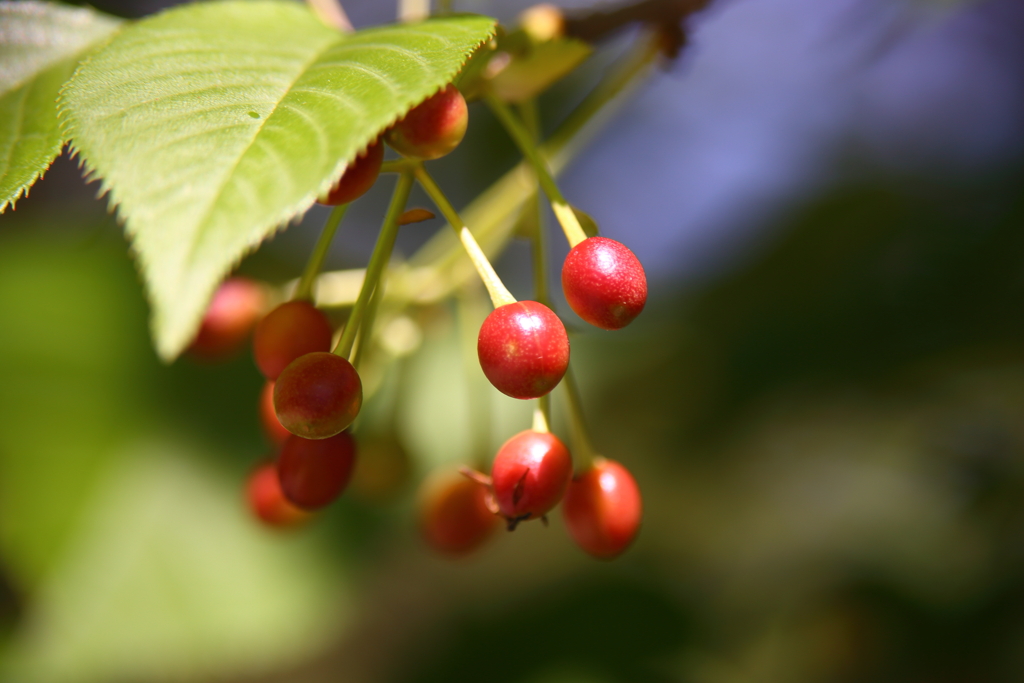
318, 395
314, 473
267, 502
523, 349
530, 474
604, 283
291, 330
454, 516
358, 178
602, 509
272, 427
234, 310
433, 128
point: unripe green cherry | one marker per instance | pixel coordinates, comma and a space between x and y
432, 128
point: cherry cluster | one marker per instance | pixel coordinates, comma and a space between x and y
313, 393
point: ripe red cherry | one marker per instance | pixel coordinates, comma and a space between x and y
318, 395
291, 330
272, 427
358, 177
604, 283
602, 509
523, 349
530, 474
267, 502
432, 128
454, 517
314, 473
234, 310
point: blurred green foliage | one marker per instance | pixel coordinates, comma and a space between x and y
830, 440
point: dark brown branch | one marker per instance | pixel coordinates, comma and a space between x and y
666, 16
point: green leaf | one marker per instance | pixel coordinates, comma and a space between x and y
215, 123
40, 44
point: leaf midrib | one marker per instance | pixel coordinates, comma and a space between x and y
204, 216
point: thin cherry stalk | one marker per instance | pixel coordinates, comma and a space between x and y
304, 290
500, 296
583, 453
570, 225
378, 260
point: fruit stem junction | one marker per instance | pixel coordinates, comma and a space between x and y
380, 257
500, 296
563, 212
304, 290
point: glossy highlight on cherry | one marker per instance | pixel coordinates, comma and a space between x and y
604, 283
432, 128
602, 509
523, 349
530, 474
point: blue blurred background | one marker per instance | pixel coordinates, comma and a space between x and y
823, 403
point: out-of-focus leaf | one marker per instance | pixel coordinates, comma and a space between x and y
213, 124
527, 75
169, 579
40, 45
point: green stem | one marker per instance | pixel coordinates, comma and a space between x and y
396, 166
570, 225
490, 211
500, 296
304, 291
537, 245
582, 451
366, 328
379, 258
471, 311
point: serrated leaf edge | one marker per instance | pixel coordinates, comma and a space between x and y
169, 350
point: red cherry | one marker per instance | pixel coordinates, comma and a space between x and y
359, 176
604, 283
523, 349
263, 492
314, 473
454, 516
235, 308
272, 427
602, 509
318, 395
530, 474
433, 128
291, 330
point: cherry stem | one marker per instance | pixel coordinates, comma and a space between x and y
582, 451
380, 257
537, 251
396, 165
540, 421
500, 296
471, 310
563, 212
304, 290
366, 329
